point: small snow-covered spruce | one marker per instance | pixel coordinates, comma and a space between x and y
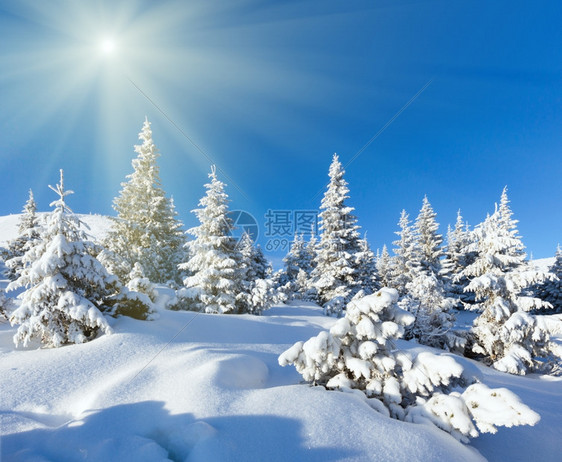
312, 248
506, 335
28, 232
258, 267
457, 258
358, 353
551, 290
305, 278
428, 240
214, 262
295, 257
406, 256
138, 282
434, 321
257, 288
367, 273
425, 292
146, 229
5, 305
384, 267
297, 269
66, 286
137, 298
336, 272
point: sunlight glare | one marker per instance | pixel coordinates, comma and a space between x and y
107, 46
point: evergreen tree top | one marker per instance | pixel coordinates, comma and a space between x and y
429, 240
337, 190
336, 219
425, 221
505, 215
30, 206
246, 244
384, 253
60, 203
29, 218
556, 267
405, 232
213, 214
460, 225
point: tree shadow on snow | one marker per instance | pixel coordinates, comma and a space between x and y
146, 431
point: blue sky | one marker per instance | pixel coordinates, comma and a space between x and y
270, 90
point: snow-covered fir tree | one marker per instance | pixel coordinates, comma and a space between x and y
367, 274
425, 294
405, 262
5, 305
139, 283
66, 286
146, 230
257, 291
359, 353
448, 264
305, 279
298, 265
260, 265
506, 334
312, 249
428, 240
214, 262
28, 232
457, 258
296, 259
433, 319
336, 271
384, 267
551, 290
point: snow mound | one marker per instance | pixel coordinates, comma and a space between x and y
241, 371
543, 264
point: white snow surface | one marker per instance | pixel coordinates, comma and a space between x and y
202, 387
543, 264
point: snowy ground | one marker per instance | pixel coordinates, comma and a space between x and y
208, 388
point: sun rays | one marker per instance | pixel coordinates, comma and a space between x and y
71, 67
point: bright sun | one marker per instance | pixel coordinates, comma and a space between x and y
107, 46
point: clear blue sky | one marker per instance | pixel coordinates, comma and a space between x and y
270, 90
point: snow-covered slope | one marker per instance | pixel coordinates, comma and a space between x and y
208, 388
195, 387
203, 387
543, 263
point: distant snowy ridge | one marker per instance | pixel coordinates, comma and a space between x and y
98, 225
543, 263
